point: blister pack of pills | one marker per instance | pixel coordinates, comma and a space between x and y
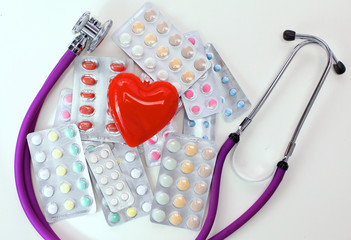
61, 172
109, 177
160, 49
202, 128
234, 99
203, 98
63, 111
183, 183
92, 77
154, 146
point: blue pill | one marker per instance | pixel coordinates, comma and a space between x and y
240, 104
228, 112
206, 124
225, 80
192, 123
209, 56
81, 184
205, 137
85, 201
69, 132
232, 92
73, 149
217, 68
77, 167
90, 147
114, 217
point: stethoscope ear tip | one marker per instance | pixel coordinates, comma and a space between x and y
289, 35
339, 67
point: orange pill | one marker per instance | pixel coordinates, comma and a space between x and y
175, 219
183, 184
88, 80
89, 65
86, 110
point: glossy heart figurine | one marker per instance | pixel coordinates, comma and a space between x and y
140, 109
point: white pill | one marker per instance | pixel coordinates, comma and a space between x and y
135, 173
125, 39
48, 191
162, 75
52, 208
109, 164
94, 159
114, 201
124, 196
130, 156
104, 180
137, 51
104, 153
114, 175
40, 157
119, 186
109, 191
146, 206
99, 169
150, 63
44, 173
141, 190
36, 140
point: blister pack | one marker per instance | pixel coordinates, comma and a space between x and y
202, 128
183, 183
109, 177
63, 111
61, 172
154, 146
234, 99
160, 49
203, 98
92, 76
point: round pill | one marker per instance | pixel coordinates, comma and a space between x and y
155, 155
175, 64
212, 103
150, 39
56, 153
69, 204
99, 169
114, 201
193, 222
69, 132
131, 212
206, 124
187, 52
68, 98
225, 80
189, 94
114, 217
173, 145
94, 159
130, 156
208, 153
162, 75
175, 219
153, 140
66, 115
209, 56
53, 136
204, 171
73, 150
162, 51
138, 51
232, 92
109, 191
141, 190
179, 201
206, 88
158, 215
190, 149
170, 163
85, 201
188, 76
200, 64
187, 167
52, 208
162, 198
175, 39
125, 39
150, 15
150, 63
135, 173
146, 206
40, 157
119, 186
104, 153
138, 27
191, 123
109, 164
61, 171
200, 188
183, 184
217, 68
81, 184
48, 191
228, 112
197, 205
124, 196
195, 109
103, 180
44, 173
166, 180
65, 188
162, 27
240, 104
114, 175
36, 140
77, 167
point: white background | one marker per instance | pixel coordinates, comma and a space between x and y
313, 201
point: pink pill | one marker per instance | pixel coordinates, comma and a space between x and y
155, 155
189, 94
195, 109
152, 140
206, 88
66, 114
192, 40
212, 103
165, 135
68, 98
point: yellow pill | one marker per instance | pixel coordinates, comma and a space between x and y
187, 167
179, 201
150, 39
190, 149
52, 136
56, 153
176, 219
69, 205
162, 51
65, 188
138, 27
188, 76
131, 212
183, 184
175, 64
61, 171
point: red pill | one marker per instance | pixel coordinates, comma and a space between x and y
89, 65
86, 110
87, 95
88, 80
117, 66
85, 125
111, 127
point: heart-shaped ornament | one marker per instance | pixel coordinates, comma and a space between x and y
140, 109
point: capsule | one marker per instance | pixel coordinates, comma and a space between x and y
88, 80
85, 125
89, 65
117, 66
87, 95
111, 127
86, 110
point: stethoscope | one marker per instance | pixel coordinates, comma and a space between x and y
90, 34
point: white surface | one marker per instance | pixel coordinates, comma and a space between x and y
313, 201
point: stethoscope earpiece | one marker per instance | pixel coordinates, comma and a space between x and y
289, 35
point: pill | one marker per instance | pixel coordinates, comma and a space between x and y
173, 145
53, 136
99, 169
77, 167
204, 171
175, 39
228, 112
195, 109
225, 80
162, 51
89, 65
232, 92
175, 219
150, 15
40, 156
117, 66
150, 39
206, 124
119, 186
183, 184
124, 196
162, 198
188, 76
114, 201
187, 167
103, 180
73, 150
61, 171
87, 95
200, 188
162, 75
158, 215
137, 51
48, 191
141, 190
206, 88
165, 134
135, 173
65, 188
111, 127
85, 125
187, 52
166, 180
193, 222
109, 191
175, 64
196, 205
190, 149
104, 153
81, 184
150, 63
109, 164
36, 140
69, 204
191, 123
94, 159
131, 212
88, 80
162, 27
189, 94
86, 110
153, 140
146, 206
66, 115
114, 217
212, 103
192, 40
125, 39
114, 175
56, 153
130, 156
85, 201
138, 27
169, 163
200, 64
208, 153
217, 68
52, 208
240, 104
179, 201
155, 155
69, 132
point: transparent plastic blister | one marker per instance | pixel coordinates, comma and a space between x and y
92, 77
109, 177
183, 183
63, 111
234, 99
203, 98
160, 49
61, 172
202, 128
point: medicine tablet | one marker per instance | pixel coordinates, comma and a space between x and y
150, 63
103, 180
187, 167
183, 184
89, 65
69, 204
120, 186
48, 191
175, 64
155, 155
135, 173
65, 188
200, 64
104, 154
85, 201
114, 175
69, 132
153, 140
56, 153
61, 171
81, 184
77, 167
166, 181
175, 219
52, 208
115, 217
44, 173
99, 169
138, 51
40, 156
113, 201
109, 191
36, 140
124, 196
193, 222
200, 188
162, 27
158, 215
195, 109
188, 76
173, 146
204, 171
109, 164
169, 163
190, 149
208, 153
141, 190
150, 39
162, 75
196, 205
130, 156
179, 201
94, 159
189, 94
162, 198
146, 206
131, 212
187, 52
150, 15
53, 136
175, 39
162, 52
73, 150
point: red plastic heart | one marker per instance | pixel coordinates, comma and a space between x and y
140, 109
